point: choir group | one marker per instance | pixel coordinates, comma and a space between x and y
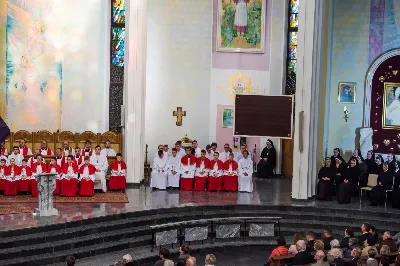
195, 169
78, 171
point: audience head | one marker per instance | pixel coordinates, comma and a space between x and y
164, 253
384, 261
386, 235
280, 241
310, 235
353, 241
356, 252
296, 238
362, 262
336, 253
372, 230
216, 155
70, 261
210, 259
127, 258
214, 146
372, 253
36, 152
327, 233
97, 150
195, 144
301, 245
335, 243
319, 255
184, 250
349, 232
107, 143
168, 263
242, 148
365, 227
53, 161
385, 250
160, 153
318, 245
369, 241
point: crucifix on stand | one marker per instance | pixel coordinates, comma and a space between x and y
179, 114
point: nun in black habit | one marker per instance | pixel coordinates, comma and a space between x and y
396, 187
350, 182
385, 182
378, 164
336, 155
356, 154
265, 167
326, 176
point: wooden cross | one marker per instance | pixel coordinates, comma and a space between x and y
179, 114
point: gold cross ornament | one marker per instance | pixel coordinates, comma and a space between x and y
179, 114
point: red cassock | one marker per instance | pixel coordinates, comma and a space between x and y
79, 160
230, 182
3, 150
117, 182
3, 180
11, 188
24, 151
215, 183
200, 182
23, 184
187, 183
87, 153
87, 186
58, 181
69, 187
33, 182
61, 161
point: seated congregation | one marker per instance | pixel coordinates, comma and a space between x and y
346, 179
78, 171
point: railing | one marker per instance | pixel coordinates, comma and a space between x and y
212, 229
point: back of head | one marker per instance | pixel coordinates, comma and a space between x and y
336, 253
320, 255
185, 249
335, 243
280, 241
385, 250
362, 262
70, 261
168, 263
127, 258
210, 259
372, 253
385, 261
318, 245
165, 253
357, 252
353, 241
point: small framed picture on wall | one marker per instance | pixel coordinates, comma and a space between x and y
347, 92
227, 118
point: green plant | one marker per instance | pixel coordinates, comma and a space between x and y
254, 14
227, 25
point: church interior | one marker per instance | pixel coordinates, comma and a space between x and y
200, 132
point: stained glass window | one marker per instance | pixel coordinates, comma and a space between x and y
117, 44
292, 46
118, 11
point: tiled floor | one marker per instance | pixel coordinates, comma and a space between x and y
275, 191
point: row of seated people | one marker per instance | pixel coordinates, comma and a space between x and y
200, 174
71, 178
345, 252
344, 179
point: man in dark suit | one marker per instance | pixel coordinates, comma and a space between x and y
310, 241
388, 241
365, 228
355, 256
327, 239
303, 256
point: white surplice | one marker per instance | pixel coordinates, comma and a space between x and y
159, 173
17, 157
166, 155
66, 152
188, 170
70, 173
100, 163
86, 174
245, 182
44, 152
210, 155
174, 164
200, 169
224, 156
197, 152
22, 152
180, 153
239, 155
215, 170
108, 152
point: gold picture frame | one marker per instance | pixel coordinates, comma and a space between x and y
347, 92
391, 106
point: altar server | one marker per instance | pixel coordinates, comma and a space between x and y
60, 158
118, 174
216, 173
55, 168
101, 164
239, 154
159, 172
5, 159
188, 167
33, 159
24, 177
202, 169
3, 150
87, 150
2, 174
78, 158
69, 181
86, 173
174, 169
223, 156
230, 178
37, 168
12, 175
245, 171
45, 150
16, 156
67, 150
108, 151
209, 153
160, 147
23, 150
196, 148
179, 151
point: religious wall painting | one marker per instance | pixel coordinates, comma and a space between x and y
347, 92
241, 26
391, 106
239, 84
227, 117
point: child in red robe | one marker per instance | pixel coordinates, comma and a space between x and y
87, 150
37, 168
202, 169
3, 174
69, 182
216, 173
87, 172
118, 174
230, 178
12, 173
188, 168
55, 168
24, 178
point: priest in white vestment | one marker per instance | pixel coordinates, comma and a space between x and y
197, 150
160, 148
17, 156
174, 170
108, 151
224, 156
160, 171
101, 164
239, 154
245, 173
23, 149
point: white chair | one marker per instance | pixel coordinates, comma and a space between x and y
372, 182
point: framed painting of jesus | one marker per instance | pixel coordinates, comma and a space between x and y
391, 106
241, 26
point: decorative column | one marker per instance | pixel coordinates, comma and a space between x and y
308, 86
135, 89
